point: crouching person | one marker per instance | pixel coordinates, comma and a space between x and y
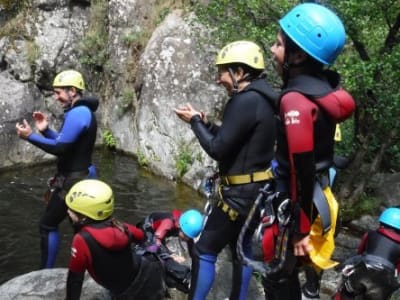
102, 246
372, 274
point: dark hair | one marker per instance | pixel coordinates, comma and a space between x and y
312, 66
252, 73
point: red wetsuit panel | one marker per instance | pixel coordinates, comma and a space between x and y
299, 114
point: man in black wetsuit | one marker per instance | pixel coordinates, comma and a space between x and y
73, 145
243, 147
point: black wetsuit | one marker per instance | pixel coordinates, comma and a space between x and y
73, 145
243, 144
371, 274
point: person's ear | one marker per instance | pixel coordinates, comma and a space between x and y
299, 57
73, 91
239, 73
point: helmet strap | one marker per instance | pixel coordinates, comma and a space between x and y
234, 81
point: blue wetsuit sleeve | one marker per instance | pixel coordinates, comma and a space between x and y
50, 134
76, 121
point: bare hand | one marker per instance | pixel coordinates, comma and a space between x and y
41, 120
178, 258
186, 112
23, 130
302, 247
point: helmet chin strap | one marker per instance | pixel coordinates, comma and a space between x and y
236, 82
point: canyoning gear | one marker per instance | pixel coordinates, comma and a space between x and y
247, 178
372, 274
311, 104
244, 52
104, 250
391, 217
73, 146
176, 275
191, 223
322, 239
250, 107
160, 225
203, 267
311, 287
69, 78
50, 244
243, 144
316, 145
315, 29
92, 198
368, 278
74, 143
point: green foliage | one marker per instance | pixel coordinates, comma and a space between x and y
184, 159
13, 5
109, 139
366, 205
32, 52
93, 46
142, 159
369, 65
127, 98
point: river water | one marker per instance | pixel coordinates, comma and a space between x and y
137, 193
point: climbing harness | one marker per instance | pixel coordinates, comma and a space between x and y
208, 185
282, 214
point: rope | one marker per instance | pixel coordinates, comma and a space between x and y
266, 195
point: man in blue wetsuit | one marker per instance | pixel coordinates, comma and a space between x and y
244, 147
73, 145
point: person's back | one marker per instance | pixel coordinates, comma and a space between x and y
372, 274
102, 246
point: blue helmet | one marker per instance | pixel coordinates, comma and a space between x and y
191, 223
316, 30
391, 217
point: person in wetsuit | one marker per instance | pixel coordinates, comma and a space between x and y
311, 103
72, 145
243, 146
372, 274
160, 225
102, 246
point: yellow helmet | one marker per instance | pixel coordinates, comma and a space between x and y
92, 198
244, 52
69, 78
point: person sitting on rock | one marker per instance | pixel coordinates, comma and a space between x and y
102, 246
372, 274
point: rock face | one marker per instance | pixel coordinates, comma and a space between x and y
143, 72
48, 284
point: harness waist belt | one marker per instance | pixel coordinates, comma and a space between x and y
233, 214
248, 178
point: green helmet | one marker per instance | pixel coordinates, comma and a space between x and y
92, 198
244, 52
69, 78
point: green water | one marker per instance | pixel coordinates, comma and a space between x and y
137, 193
